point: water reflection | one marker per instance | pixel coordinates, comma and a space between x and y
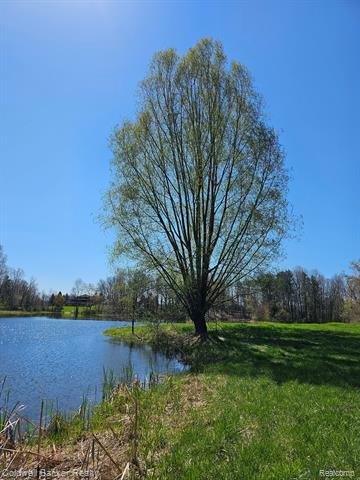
61, 360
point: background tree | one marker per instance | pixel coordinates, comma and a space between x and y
107, 288
138, 287
52, 300
3, 264
199, 181
352, 302
79, 287
59, 301
293, 296
77, 290
3, 273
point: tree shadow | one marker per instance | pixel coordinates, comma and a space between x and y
307, 356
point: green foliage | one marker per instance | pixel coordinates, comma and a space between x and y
199, 182
58, 426
59, 301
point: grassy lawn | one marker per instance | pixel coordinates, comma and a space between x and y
20, 313
67, 311
261, 401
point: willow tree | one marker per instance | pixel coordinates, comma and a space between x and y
199, 185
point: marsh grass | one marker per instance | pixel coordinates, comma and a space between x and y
38, 447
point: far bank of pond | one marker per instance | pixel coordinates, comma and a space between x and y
65, 313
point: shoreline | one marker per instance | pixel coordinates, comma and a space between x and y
64, 315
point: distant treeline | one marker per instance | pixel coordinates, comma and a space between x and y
285, 296
294, 296
16, 292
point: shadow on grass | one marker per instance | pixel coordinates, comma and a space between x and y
283, 354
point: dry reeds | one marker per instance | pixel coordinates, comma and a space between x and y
108, 454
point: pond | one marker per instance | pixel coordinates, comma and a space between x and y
61, 360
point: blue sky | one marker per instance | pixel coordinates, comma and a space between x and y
69, 72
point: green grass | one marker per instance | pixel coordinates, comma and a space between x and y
21, 313
67, 312
261, 401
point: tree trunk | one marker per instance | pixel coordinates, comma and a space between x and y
200, 325
133, 319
